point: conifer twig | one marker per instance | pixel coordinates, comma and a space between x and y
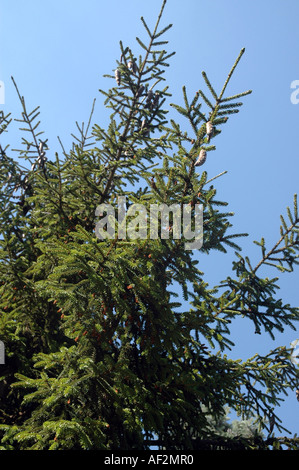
275, 249
231, 73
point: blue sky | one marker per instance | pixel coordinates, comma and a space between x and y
58, 52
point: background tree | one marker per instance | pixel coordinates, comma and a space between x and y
100, 351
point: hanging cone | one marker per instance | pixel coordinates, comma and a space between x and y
156, 99
209, 130
140, 91
42, 160
117, 76
201, 158
132, 66
149, 97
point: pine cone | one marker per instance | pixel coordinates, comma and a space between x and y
297, 394
42, 160
201, 158
149, 98
117, 77
156, 99
132, 66
209, 130
139, 91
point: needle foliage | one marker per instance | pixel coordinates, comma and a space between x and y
101, 350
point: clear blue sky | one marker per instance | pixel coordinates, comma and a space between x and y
58, 52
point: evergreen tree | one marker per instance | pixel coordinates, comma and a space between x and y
100, 352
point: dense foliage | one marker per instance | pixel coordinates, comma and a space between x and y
100, 351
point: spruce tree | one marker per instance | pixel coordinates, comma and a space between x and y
101, 352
